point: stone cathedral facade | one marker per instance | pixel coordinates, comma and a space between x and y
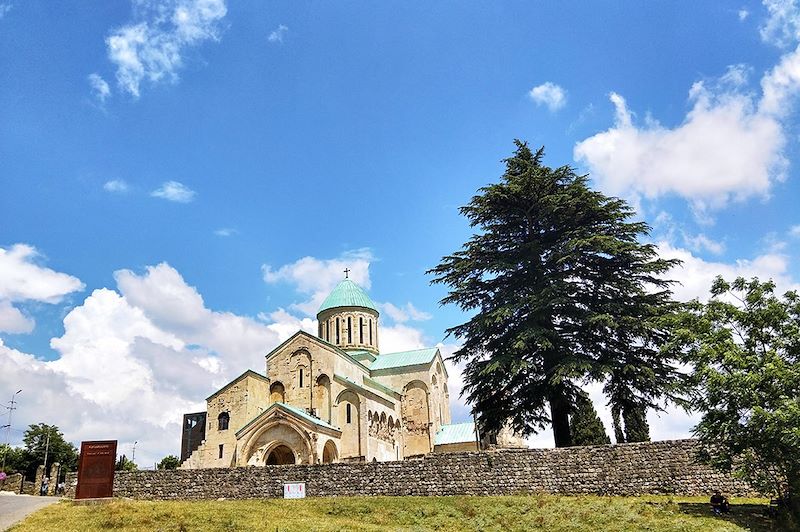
328, 398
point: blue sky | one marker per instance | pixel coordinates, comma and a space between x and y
181, 181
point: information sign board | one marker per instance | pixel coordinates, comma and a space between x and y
294, 490
96, 469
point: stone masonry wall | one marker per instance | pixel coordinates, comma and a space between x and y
627, 469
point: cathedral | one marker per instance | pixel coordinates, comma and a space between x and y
329, 398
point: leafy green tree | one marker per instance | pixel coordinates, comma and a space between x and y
16, 459
744, 345
561, 291
123, 464
169, 462
41, 438
585, 425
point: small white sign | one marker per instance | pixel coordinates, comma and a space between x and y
294, 490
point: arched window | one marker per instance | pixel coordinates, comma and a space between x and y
349, 330
222, 421
301, 377
349, 413
328, 330
337, 331
370, 331
320, 330
361, 330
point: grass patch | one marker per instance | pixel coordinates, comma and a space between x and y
507, 513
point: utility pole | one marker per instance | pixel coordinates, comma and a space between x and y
133, 454
11, 409
46, 450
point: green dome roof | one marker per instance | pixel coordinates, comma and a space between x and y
347, 294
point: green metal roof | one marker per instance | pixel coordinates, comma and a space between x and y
296, 411
308, 417
347, 294
404, 358
456, 433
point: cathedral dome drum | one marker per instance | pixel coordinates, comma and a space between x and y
348, 318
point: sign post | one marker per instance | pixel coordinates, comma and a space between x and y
96, 469
294, 490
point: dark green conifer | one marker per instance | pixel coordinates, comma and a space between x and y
560, 290
585, 425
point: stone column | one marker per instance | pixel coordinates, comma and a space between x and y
37, 481
55, 471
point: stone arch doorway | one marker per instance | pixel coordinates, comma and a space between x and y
329, 454
280, 455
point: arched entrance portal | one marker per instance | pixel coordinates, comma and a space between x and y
329, 453
280, 455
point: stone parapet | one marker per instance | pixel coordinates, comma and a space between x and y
665, 467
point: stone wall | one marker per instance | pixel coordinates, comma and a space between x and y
12, 482
627, 469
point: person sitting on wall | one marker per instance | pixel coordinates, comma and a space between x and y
719, 503
43, 489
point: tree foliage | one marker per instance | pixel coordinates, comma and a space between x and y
43, 438
561, 292
744, 345
35, 440
169, 462
585, 425
124, 464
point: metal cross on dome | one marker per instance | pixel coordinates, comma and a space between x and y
347, 273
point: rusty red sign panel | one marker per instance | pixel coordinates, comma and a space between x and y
96, 469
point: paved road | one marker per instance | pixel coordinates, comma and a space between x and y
14, 508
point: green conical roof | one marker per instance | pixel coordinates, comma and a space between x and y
347, 294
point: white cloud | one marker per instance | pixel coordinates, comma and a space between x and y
100, 88
549, 94
225, 231
317, 277
278, 34
23, 280
701, 242
726, 148
151, 47
729, 146
133, 360
405, 313
174, 191
12, 320
116, 185
795, 231
743, 14
696, 275
782, 26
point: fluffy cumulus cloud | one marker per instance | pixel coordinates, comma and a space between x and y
726, 147
695, 275
174, 191
316, 277
729, 146
151, 47
133, 359
553, 96
22, 280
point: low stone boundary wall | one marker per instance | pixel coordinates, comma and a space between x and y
12, 482
665, 467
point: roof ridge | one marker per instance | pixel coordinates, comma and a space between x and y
408, 351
